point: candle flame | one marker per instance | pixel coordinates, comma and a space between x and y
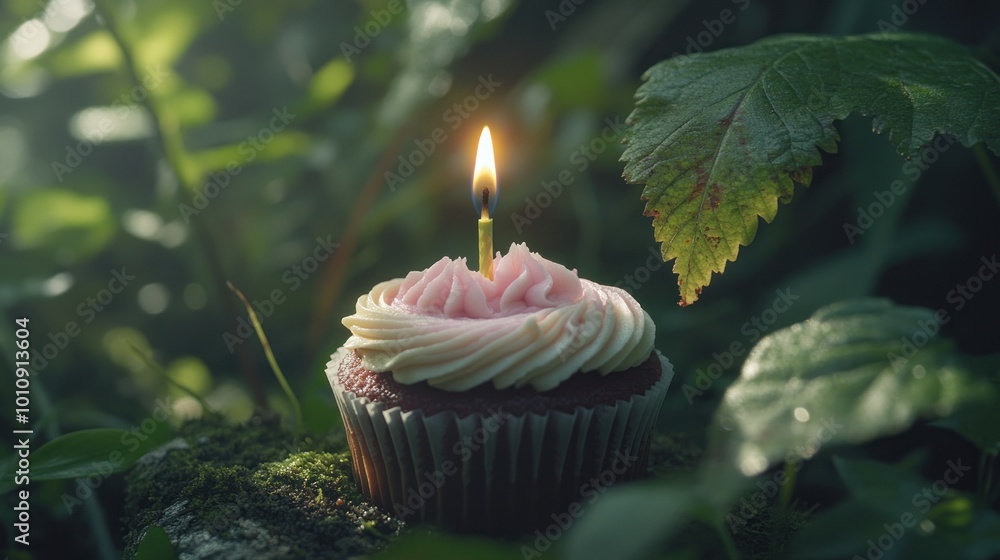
484, 178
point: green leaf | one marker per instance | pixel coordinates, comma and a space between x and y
719, 138
631, 522
430, 546
101, 451
840, 532
885, 518
977, 424
63, 222
960, 524
882, 487
155, 545
853, 372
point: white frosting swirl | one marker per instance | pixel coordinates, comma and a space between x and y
535, 324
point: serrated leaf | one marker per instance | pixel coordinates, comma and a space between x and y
852, 372
719, 138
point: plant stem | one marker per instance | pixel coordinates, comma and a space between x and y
988, 170
335, 273
785, 497
168, 131
158, 369
270, 358
988, 476
92, 506
727, 541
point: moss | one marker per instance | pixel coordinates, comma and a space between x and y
768, 532
221, 490
673, 452
258, 487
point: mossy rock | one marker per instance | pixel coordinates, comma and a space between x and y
256, 491
252, 491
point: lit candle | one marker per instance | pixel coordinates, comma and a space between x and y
484, 198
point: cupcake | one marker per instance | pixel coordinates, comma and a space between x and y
496, 406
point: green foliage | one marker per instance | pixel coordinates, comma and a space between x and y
650, 515
191, 89
60, 221
719, 138
429, 546
853, 372
259, 331
155, 545
99, 451
893, 512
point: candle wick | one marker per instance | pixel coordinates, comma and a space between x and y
486, 204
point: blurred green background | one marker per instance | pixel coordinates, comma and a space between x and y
187, 143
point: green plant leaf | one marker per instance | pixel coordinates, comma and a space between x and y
976, 424
155, 545
60, 220
648, 515
883, 517
719, 138
432, 546
881, 487
635, 520
852, 372
101, 451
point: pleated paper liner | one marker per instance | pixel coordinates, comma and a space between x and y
494, 473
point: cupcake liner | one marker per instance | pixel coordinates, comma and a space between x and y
493, 472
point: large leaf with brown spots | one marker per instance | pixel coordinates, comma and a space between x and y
719, 138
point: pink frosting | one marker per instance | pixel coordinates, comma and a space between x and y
522, 281
535, 324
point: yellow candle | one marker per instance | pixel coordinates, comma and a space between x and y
484, 194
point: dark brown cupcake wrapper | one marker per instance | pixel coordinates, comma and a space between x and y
493, 472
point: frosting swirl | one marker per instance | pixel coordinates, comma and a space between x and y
536, 323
